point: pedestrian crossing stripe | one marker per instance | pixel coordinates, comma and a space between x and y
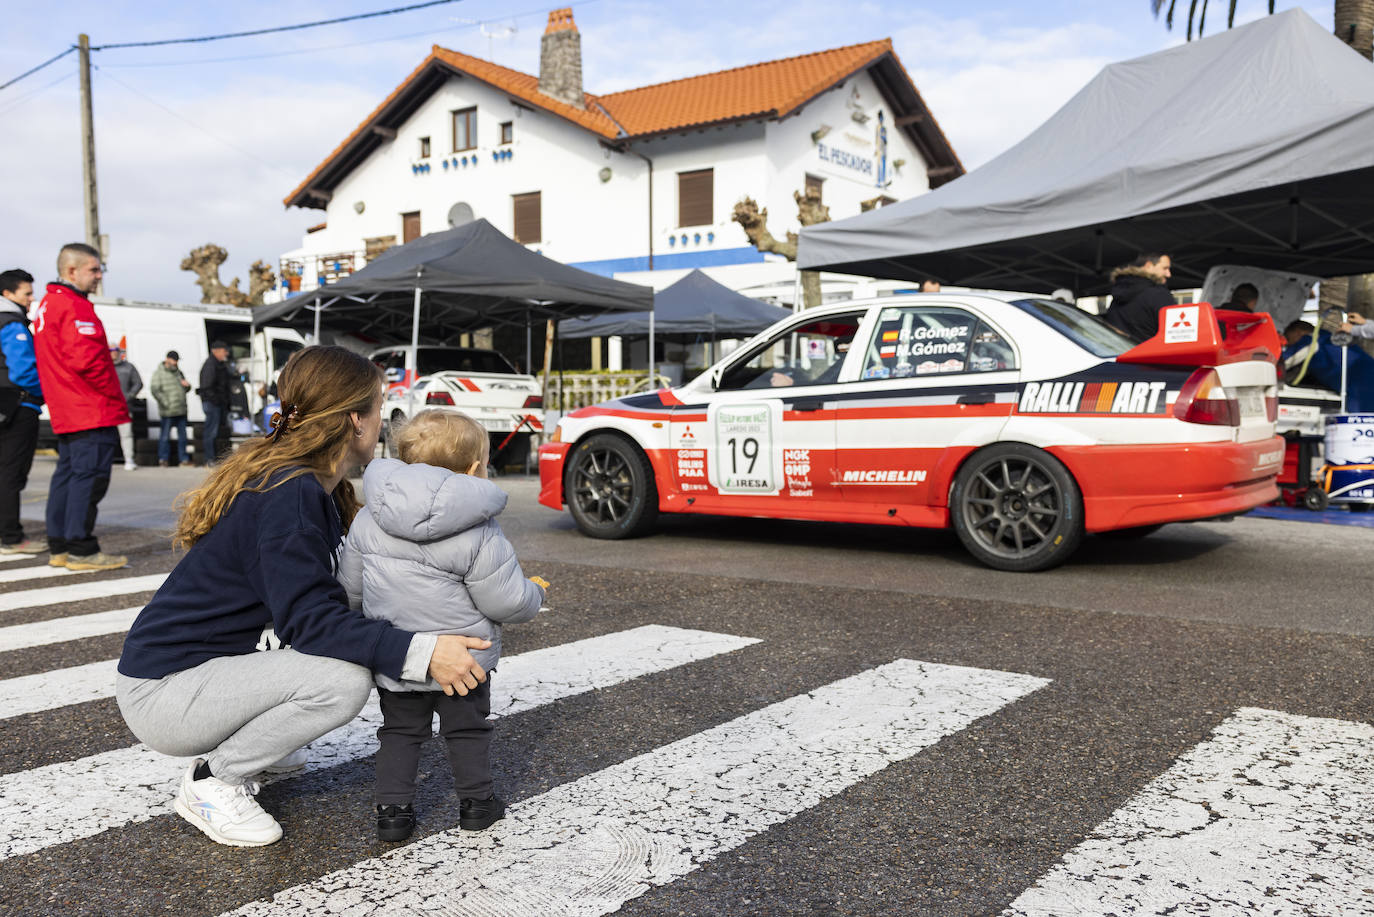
42, 571
70, 800
61, 630
588, 846
1274, 814
51, 690
80, 592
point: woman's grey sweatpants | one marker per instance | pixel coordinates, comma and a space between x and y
242, 713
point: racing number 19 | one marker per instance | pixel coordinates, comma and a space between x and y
749, 448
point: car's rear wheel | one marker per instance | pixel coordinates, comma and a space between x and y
1017, 508
609, 488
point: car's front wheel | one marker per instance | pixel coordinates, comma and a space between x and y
609, 488
1017, 508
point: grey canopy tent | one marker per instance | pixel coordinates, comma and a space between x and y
695, 306
1252, 146
468, 277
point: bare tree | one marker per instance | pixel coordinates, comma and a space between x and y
754, 222
205, 261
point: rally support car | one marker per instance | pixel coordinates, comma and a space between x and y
481, 383
1022, 423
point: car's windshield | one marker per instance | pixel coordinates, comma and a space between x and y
1087, 331
443, 359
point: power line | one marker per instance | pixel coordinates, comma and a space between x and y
213, 136
283, 28
52, 60
17, 103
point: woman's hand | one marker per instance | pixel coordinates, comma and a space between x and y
453, 666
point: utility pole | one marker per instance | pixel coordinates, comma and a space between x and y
88, 150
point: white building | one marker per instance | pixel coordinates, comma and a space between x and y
619, 184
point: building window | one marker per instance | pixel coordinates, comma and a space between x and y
694, 196
528, 222
815, 183
507, 132
464, 130
424, 147
410, 226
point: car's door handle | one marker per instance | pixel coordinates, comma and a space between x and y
972, 398
808, 404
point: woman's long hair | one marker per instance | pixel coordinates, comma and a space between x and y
319, 387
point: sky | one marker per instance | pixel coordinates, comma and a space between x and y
199, 143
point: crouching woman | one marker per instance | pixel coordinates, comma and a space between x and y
249, 650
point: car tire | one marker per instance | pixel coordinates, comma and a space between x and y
1017, 508
609, 488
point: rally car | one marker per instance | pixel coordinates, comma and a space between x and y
1023, 423
476, 381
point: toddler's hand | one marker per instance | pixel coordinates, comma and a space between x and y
540, 582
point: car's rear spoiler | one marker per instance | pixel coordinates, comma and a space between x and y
1195, 334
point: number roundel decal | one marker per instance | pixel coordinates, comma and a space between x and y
744, 449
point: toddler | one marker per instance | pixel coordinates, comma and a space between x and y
426, 554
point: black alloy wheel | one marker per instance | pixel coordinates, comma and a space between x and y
609, 488
1017, 508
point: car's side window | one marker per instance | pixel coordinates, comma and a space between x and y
933, 340
808, 354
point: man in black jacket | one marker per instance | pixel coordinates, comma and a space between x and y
1139, 291
214, 397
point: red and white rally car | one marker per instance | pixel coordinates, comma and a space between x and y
1024, 423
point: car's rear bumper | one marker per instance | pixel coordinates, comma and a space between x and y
1126, 486
551, 456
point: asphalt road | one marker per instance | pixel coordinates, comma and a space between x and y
1116, 669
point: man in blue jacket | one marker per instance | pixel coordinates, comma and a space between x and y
21, 398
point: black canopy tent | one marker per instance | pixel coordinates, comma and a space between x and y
1248, 147
692, 308
468, 277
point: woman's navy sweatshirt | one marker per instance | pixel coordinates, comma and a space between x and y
262, 577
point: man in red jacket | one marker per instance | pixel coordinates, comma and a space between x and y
86, 405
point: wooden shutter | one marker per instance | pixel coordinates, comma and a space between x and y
528, 225
410, 226
695, 191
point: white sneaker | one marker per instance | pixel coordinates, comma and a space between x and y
130, 466
227, 814
290, 764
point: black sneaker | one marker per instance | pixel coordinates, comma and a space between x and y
479, 814
395, 823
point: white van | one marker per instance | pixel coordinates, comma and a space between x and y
149, 329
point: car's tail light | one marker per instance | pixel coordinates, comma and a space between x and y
534, 401
1204, 400
439, 398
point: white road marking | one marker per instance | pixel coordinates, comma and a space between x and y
1272, 815
78, 592
50, 690
60, 630
587, 847
43, 571
74, 799
11, 558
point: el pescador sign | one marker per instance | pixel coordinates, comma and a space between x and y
862, 166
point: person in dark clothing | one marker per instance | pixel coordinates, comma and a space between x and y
1244, 298
1139, 291
1323, 369
214, 397
21, 398
250, 650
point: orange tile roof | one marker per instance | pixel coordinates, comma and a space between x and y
770, 89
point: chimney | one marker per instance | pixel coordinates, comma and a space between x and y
560, 59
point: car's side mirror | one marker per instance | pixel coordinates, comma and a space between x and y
715, 378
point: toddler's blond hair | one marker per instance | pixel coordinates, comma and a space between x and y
448, 439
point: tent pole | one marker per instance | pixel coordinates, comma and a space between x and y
528, 342
317, 323
653, 383
415, 335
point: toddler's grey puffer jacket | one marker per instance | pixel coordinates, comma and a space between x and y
426, 554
